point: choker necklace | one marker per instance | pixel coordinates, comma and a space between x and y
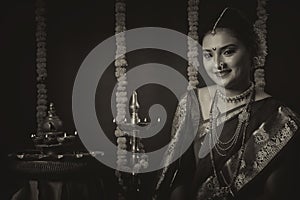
237, 98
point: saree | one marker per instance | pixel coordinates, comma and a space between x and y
271, 135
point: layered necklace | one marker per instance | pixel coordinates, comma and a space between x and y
221, 147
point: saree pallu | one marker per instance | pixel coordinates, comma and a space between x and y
271, 138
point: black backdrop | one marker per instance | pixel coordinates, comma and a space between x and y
74, 28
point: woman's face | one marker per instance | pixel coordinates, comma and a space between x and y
226, 59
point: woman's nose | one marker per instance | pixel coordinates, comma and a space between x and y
221, 65
218, 63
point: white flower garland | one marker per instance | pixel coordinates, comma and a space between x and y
121, 94
41, 63
192, 41
260, 28
120, 62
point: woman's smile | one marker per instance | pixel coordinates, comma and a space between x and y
223, 73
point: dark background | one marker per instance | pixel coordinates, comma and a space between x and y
74, 28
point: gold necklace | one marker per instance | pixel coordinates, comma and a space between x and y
224, 191
224, 146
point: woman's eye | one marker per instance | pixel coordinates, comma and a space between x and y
229, 52
207, 55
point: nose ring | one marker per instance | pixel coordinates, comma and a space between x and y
221, 65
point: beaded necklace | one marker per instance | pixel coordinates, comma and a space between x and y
243, 119
224, 146
237, 98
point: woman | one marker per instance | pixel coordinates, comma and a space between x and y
246, 140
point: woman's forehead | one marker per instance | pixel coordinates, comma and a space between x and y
221, 38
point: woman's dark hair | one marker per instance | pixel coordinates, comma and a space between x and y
238, 23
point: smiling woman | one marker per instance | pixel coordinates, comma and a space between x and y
246, 139
227, 60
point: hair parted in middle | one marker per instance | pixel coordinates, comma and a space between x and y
234, 20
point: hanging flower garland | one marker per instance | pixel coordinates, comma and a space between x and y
192, 41
121, 96
260, 28
120, 61
41, 63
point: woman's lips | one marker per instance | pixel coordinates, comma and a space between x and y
222, 73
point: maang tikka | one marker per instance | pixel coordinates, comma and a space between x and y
216, 23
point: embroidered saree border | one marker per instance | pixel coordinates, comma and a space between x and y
266, 146
270, 147
180, 116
